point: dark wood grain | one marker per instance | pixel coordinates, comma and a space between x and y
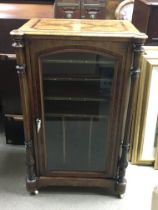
145, 18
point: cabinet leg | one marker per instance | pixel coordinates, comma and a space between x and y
35, 192
120, 188
31, 182
121, 196
31, 186
123, 163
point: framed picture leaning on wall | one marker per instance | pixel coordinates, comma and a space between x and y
145, 122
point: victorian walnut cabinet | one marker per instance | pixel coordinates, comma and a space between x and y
77, 80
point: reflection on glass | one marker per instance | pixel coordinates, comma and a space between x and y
77, 94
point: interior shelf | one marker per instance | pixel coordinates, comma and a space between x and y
73, 99
76, 116
74, 78
77, 90
77, 107
107, 63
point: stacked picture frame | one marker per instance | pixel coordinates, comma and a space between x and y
144, 131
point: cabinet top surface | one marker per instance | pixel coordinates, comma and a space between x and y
79, 27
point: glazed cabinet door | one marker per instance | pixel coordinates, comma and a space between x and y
77, 92
75, 125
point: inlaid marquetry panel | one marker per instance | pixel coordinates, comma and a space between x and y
114, 28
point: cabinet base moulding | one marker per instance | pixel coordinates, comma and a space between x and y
114, 185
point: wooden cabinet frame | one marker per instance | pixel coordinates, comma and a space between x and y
125, 46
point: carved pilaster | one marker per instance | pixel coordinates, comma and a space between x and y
19, 45
20, 69
30, 163
123, 162
18, 41
28, 144
138, 47
138, 50
31, 181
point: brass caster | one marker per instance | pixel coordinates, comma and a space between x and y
121, 196
35, 192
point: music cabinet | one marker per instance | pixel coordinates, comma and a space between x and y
77, 80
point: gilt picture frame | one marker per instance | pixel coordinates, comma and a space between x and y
144, 132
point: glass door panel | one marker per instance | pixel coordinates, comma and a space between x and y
77, 91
